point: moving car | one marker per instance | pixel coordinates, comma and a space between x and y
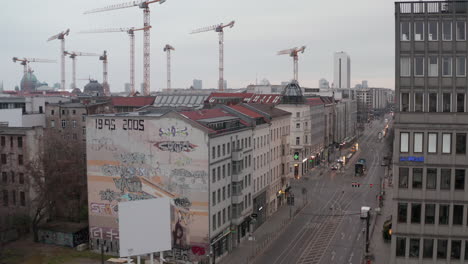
364, 211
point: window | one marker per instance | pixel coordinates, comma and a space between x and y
431, 179
457, 214
446, 143
459, 179
428, 248
298, 141
403, 178
460, 143
432, 30
2, 141
417, 178
20, 142
83, 118
443, 214
447, 30
461, 66
433, 102
4, 177
404, 102
460, 103
219, 173
433, 66
298, 125
13, 197
74, 112
419, 66
404, 142
418, 31
456, 249
219, 151
213, 152
20, 159
405, 67
445, 175
229, 169
441, 248
402, 212
405, 31
213, 175
22, 199
418, 143
224, 171
64, 123
52, 112
432, 143
229, 212
224, 193
5, 198
414, 248
446, 66
74, 123
219, 195
224, 149
12, 177
214, 221
213, 199
461, 32
298, 114
466, 249
21, 178
4, 159
224, 215
418, 102
229, 191
415, 213
228, 148
63, 112
429, 215
400, 246
446, 102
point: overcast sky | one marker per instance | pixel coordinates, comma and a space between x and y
362, 28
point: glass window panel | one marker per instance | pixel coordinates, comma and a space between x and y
419, 66
417, 178
402, 212
415, 213
461, 66
431, 178
400, 246
414, 248
405, 31
460, 143
403, 177
447, 30
428, 248
433, 66
418, 102
418, 142
446, 66
460, 102
457, 214
455, 251
441, 248
405, 69
405, 102
459, 179
432, 143
446, 143
418, 30
461, 31
445, 179
432, 30
443, 214
429, 217
433, 102
404, 142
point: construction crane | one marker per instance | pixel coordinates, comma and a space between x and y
293, 53
168, 49
73, 55
220, 29
131, 34
105, 83
25, 62
143, 4
61, 36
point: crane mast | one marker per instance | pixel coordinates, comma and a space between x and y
143, 4
168, 49
61, 37
105, 84
73, 55
220, 29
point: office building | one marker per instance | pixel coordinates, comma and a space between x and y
341, 70
197, 84
430, 158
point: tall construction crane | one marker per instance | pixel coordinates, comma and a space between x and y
168, 49
293, 53
25, 62
143, 4
220, 29
131, 34
61, 36
73, 55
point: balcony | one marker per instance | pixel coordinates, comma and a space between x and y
237, 155
432, 7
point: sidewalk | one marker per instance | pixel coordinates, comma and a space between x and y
271, 229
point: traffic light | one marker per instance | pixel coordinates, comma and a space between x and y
371, 185
355, 184
296, 156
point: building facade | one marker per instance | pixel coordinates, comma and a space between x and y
431, 124
341, 70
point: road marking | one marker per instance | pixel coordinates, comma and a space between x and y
333, 255
358, 236
351, 257
342, 236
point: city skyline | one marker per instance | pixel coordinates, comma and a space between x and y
196, 56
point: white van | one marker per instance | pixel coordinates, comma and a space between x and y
364, 211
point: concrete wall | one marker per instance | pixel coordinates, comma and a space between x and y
134, 158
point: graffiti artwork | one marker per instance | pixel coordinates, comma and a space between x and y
173, 131
182, 202
131, 158
107, 233
104, 209
132, 184
193, 177
127, 172
183, 161
103, 144
109, 195
175, 146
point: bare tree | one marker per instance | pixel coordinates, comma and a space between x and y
58, 181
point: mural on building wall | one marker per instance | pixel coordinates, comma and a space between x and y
142, 159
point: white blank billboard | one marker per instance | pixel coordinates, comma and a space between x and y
144, 226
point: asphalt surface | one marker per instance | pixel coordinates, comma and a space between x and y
329, 229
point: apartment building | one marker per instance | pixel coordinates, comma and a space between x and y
18, 146
317, 126
201, 159
431, 124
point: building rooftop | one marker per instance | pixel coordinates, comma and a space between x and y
265, 99
314, 101
14, 130
137, 101
246, 111
192, 100
431, 7
269, 109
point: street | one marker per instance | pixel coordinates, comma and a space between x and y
329, 229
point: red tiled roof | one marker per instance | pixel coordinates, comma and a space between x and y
138, 101
227, 95
246, 111
314, 101
204, 114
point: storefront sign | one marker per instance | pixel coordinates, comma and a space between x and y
413, 159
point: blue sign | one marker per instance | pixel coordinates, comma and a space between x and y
414, 159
